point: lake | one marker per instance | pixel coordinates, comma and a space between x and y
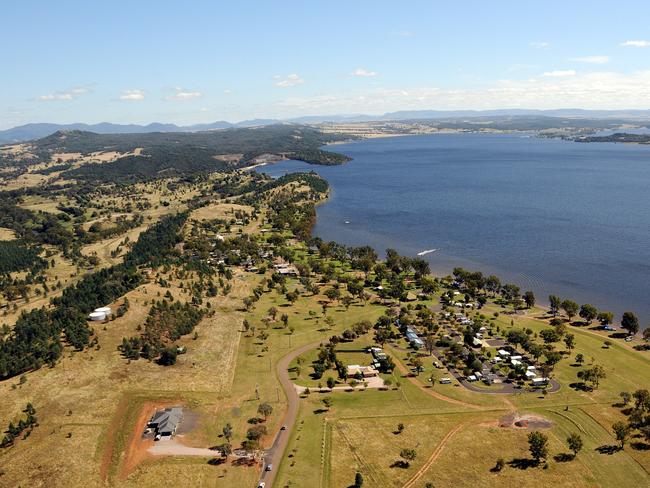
552, 216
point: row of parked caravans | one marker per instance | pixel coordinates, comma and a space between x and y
516, 361
100, 314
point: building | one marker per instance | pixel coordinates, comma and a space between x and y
365, 371
165, 422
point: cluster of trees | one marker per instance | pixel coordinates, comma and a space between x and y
16, 256
327, 360
166, 323
35, 227
36, 337
637, 407
185, 153
24, 427
589, 313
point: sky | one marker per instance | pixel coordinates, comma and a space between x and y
197, 61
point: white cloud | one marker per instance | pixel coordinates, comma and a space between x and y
132, 95
540, 44
560, 73
595, 90
405, 33
291, 80
592, 59
63, 96
364, 73
184, 94
637, 43
227, 91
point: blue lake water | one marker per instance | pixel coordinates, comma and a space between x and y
549, 215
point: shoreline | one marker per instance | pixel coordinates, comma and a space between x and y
442, 263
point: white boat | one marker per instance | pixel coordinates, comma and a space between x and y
428, 251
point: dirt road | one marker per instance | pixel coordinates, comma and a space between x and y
276, 452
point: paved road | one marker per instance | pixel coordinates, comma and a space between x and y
276, 452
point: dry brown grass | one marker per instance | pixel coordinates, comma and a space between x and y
78, 400
7, 234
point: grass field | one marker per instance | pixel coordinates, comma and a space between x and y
88, 406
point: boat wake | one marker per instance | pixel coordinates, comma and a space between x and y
428, 251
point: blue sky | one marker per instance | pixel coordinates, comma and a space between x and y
199, 61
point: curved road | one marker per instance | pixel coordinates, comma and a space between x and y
276, 452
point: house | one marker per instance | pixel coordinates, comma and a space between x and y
365, 371
503, 353
540, 381
165, 422
530, 374
476, 342
515, 362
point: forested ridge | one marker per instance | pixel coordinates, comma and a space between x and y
16, 256
164, 154
36, 339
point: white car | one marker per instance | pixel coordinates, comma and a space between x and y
261, 485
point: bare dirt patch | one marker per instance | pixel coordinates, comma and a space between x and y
526, 421
136, 450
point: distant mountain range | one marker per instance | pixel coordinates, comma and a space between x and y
37, 130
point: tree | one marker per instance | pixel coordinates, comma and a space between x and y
646, 334
626, 398
588, 312
265, 409
605, 318
555, 303
580, 358
570, 308
327, 401
408, 455
168, 356
570, 341
529, 298
594, 375
227, 432
429, 343
574, 441
400, 428
622, 432
358, 480
499, 465
630, 323
538, 446
331, 382
285, 319
273, 312
416, 362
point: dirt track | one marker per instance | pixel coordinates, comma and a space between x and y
436, 453
432, 392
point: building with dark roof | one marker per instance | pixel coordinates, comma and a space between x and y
165, 422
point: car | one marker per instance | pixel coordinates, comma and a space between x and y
445, 381
261, 485
269, 467
284, 427
437, 364
629, 339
